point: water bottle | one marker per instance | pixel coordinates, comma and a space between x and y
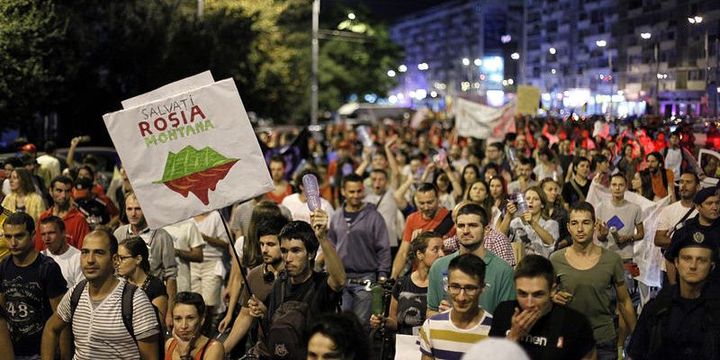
364, 137
312, 191
614, 233
522, 205
512, 157
377, 307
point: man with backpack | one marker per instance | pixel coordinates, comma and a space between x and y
109, 318
300, 294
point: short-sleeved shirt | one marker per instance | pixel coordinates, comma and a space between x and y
442, 340
28, 291
561, 334
69, 263
412, 304
186, 236
590, 289
417, 221
629, 214
522, 231
499, 285
99, 330
324, 300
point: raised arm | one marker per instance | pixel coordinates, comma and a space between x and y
335, 268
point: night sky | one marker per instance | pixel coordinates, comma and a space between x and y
387, 10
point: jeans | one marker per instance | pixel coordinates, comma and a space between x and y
607, 350
358, 300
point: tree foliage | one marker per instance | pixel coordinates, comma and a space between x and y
80, 58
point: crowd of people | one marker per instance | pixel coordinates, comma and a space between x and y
535, 244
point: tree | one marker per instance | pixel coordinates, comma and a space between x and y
29, 78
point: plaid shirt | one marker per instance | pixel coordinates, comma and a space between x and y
495, 241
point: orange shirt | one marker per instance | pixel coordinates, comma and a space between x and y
279, 198
417, 221
658, 187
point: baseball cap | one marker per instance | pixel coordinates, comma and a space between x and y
704, 194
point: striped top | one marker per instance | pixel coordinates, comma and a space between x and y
441, 339
99, 330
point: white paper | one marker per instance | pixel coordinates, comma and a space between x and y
186, 84
407, 348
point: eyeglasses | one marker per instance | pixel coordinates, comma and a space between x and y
470, 290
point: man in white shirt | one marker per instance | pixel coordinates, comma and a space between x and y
673, 155
52, 233
673, 215
189, 244
297, 202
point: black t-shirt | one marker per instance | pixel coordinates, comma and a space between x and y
563, 333
94, 210
570, 195
28, 291
412, 303
325, 299
154, 288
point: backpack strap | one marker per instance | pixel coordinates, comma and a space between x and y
127, 308
75, 296
445, 225
577, 189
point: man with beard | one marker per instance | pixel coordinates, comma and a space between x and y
96, 322
673, 215
260, 279
430, 216
282, 186
498, 280
76, 226
299, 291
663, 180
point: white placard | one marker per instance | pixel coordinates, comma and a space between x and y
407, 348
183, 85
483, 122
189, 153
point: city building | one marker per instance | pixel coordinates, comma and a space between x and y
468, 47
600, 55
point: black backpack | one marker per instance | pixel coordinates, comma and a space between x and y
127, 311
285, 333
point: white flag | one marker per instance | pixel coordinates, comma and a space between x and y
483, 122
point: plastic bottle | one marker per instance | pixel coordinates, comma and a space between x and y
312, 191
512, 157
522, 205
364, 137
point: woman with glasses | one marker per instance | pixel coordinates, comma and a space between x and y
135, 267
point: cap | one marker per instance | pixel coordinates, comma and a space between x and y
703, 194
693, 239
82, 189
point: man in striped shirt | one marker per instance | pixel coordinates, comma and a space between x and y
97, 322
448, 335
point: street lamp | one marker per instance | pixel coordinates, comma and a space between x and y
391, 73
402, 68
515, 56
552, 51
656, 50
351, 16
696, 20
477, 62
601, 43
466, 61
423, 66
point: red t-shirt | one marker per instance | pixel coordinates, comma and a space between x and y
417, 221
76, 228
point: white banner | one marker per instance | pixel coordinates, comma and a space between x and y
189, 153
481, 121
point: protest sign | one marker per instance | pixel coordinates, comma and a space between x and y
481, 121
197, 142
186, 84
528, 100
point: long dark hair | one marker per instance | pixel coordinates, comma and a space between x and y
137, 246
346, 333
